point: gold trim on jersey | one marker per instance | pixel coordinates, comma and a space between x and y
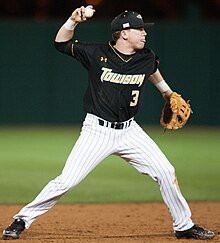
73, 47
72, 50
124, 60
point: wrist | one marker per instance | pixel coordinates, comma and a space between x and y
70, 24
166, 95
163, 87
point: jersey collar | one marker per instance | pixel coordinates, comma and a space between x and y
120, 55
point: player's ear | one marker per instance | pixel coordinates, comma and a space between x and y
124, 34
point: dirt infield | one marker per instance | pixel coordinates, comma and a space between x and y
115, 223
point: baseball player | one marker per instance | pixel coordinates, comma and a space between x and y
117, 72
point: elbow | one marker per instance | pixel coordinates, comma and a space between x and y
64, 47
56, 44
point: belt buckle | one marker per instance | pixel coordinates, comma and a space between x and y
119, 125
115, 125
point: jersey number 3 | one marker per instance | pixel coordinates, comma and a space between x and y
135, 95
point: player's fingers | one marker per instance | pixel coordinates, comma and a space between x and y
90, 6
82, 13
79, 14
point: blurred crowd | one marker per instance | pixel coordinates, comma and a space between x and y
153, 9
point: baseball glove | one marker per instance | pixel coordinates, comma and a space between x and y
175, 113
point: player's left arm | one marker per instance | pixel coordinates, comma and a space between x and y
157, 79
176, 111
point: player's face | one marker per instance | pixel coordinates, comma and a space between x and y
137, 38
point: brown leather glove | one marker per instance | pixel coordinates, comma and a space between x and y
175, 113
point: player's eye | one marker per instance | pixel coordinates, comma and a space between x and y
140, 28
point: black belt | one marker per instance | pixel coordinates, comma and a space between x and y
115, 125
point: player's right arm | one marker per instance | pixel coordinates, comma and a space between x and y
66, 32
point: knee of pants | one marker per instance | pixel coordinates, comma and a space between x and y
167, 176
63, 184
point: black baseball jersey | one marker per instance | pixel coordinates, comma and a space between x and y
115, 80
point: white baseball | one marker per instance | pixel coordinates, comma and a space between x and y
88, 12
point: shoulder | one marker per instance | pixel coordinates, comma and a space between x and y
89, 45
88, 48
146, 51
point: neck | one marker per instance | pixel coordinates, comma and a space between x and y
123, 48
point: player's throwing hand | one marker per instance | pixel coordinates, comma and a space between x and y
79, 14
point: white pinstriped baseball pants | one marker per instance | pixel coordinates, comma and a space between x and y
95, 143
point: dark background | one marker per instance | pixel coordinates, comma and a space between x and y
154, 9
38, 85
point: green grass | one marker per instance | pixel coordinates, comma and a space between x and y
32, 156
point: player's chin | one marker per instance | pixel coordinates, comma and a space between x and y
140, 46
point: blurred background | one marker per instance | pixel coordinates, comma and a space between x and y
39, 85
42, 10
